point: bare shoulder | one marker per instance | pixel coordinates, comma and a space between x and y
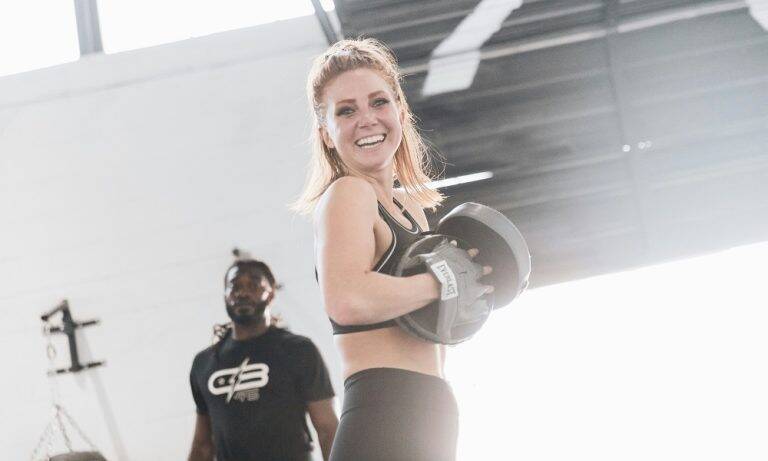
347, 193
351, 185
414, 208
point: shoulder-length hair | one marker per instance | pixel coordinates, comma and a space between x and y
412, 165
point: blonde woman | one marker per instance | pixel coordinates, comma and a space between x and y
397, 405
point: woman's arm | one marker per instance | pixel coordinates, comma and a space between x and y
353, 294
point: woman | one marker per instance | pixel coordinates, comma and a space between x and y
397, 405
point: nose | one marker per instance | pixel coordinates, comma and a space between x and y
241, 296
367, 118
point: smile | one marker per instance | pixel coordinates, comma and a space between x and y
370, 141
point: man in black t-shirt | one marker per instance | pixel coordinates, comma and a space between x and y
254, 387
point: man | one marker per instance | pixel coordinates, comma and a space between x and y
254, 387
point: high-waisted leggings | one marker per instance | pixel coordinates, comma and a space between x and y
396, 415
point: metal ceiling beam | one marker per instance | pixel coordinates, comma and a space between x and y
331, 35
581, 34
88, 30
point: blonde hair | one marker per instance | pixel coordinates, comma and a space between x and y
412, 166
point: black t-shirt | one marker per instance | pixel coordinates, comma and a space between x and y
256, 393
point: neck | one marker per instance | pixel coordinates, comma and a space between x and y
383, 184
244, 332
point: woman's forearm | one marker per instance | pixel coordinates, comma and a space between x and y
374, 297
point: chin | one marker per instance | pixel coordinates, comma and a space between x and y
378, 158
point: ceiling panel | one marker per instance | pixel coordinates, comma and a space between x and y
619, 132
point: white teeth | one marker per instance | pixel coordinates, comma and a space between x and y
370, 140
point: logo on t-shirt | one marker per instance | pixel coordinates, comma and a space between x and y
241, 383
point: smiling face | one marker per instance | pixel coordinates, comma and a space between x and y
363, 120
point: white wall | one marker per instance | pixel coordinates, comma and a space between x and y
125, 180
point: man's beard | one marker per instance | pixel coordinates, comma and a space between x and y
246, 313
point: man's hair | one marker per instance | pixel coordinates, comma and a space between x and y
252, 267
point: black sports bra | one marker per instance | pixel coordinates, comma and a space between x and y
402, 238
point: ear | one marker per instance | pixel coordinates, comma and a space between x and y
326, 138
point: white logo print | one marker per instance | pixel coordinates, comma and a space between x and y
444, 274
242, 383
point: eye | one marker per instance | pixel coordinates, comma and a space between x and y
380, 101
344, 111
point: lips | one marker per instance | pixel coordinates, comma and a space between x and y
244, 308
369, 142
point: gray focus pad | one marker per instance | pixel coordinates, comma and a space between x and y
501, 246
433, 322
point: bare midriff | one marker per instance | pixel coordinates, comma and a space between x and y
388, 348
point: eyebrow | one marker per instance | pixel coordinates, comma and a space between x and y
352, 100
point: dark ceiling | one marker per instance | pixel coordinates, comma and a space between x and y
620, 133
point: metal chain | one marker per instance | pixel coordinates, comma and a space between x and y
62, 428
50, 351
46, 439
60, 416
77, 429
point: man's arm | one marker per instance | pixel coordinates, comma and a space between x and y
324, 420
202, 442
